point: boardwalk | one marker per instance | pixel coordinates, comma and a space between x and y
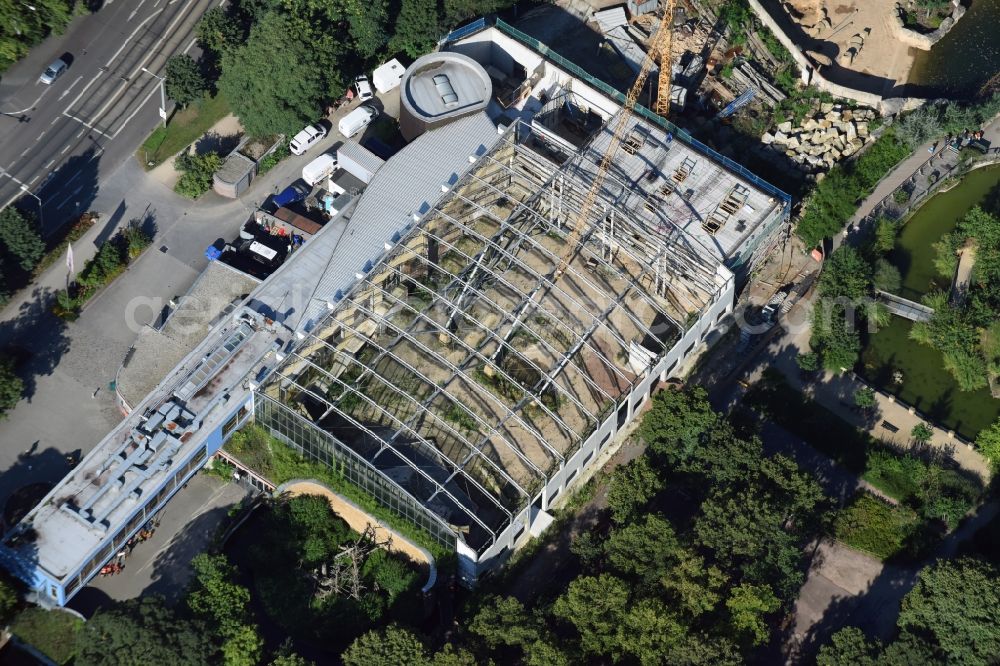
904, 307
963, 275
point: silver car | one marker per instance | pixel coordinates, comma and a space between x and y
53, 71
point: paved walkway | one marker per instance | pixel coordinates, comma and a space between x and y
836, 393
923, 167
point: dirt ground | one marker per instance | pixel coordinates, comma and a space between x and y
856, 34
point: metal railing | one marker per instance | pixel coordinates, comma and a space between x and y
464, 31
617, 96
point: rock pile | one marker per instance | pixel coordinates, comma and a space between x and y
821, 141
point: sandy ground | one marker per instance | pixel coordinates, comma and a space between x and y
226, 127
858, 25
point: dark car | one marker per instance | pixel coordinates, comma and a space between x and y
297, 191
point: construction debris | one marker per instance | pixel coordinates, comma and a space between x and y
829, 136
745, 76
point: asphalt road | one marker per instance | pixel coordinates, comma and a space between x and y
56, 140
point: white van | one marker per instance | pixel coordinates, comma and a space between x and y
319, 168
306, 138
356, 120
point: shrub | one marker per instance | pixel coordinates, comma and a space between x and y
198, 171
271, 160
921, 433
51, 632
808, 362
864, 398
874, 526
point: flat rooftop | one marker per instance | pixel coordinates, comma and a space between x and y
442, 84
153, 444
667, 184
156, 352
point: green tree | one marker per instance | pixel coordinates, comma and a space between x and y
215, 596
20, 238
987, 441
504, 621
808, 362
886, 230
748, 604
243, 647
676, 421
276, 81
632, 485
644, 548
416, 28
864, 397
596, 606
848, 647
185, 82
921, 433
11, 386
218, 30
887, 277
845, 274
648, 631
835, 336
694, 585
368, 22
452, 656
140, 632
8, 599
956, 606
391, 646
291, 659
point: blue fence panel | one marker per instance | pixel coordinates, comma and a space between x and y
464, 31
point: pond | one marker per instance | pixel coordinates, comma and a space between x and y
926, 384
965, 59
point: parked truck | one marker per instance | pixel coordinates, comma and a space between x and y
358, 161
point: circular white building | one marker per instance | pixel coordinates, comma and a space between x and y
438, 88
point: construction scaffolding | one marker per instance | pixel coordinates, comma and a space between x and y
461, 370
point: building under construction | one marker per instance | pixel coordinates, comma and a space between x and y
471, 374
458, 342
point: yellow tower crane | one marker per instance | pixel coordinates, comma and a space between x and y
659, 49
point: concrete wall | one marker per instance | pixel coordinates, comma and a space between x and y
919, 40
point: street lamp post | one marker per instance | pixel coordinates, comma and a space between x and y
163, 95
41, 217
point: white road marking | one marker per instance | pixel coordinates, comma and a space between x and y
75, 176
81, 133
136, 10
67, 91
90, 126
188, 47
25, 152
40, 135
139, 107
156, 3
129, 38
49, 164
69, 196
54, 121
65, 148
33, 179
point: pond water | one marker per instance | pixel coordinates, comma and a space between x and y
926, 384
964, 59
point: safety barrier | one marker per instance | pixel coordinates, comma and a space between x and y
616, 95
464, 31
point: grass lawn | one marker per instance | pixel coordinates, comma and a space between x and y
183, 128
876, 527
51, 632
